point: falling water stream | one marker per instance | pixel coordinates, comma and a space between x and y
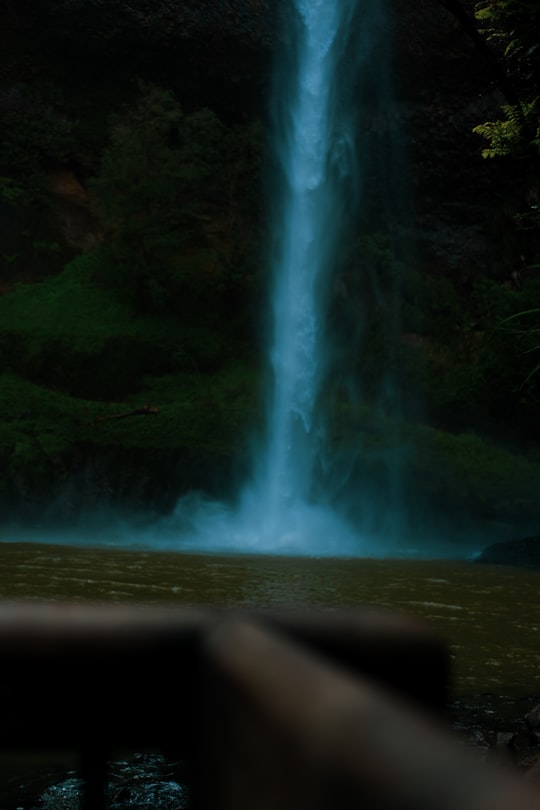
312, 142
310, 145
312, 138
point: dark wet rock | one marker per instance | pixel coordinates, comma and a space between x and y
64, 796
523, 552
147, 796
140, 782
498, 729
495, 728
214, 51
532, 719
504, 740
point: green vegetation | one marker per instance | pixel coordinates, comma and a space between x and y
176, 194
508, 136
36, 130
87, 346
511, 27
84, 372
462, 475
143, 344
478, 477
142, 351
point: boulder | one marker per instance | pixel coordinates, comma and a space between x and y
523, 553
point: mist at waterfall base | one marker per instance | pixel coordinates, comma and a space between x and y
331, 110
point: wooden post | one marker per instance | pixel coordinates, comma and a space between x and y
284, 729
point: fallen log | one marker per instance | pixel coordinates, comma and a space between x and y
142, 411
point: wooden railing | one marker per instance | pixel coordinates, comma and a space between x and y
275, 710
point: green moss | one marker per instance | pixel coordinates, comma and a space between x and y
80, 361
456, 473
69, 332
68, 305
477, 474
194, 414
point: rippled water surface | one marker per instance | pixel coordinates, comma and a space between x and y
489, 615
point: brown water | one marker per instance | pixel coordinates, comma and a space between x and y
489, 615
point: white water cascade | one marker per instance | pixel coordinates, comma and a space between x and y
315, 158
282, 510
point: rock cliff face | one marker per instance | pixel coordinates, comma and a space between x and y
212, 51
523, 553
219, 53
447, 84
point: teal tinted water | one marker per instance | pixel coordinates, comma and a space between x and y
489, 615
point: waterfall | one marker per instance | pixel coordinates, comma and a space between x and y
306, 227
317, 99
328, 476
315, 161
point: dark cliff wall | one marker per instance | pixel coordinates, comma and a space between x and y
219, 53
68, 64
447, 84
